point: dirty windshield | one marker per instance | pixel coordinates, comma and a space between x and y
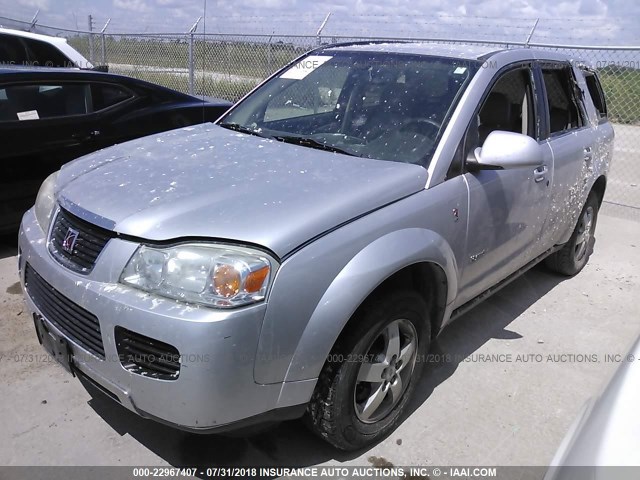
384, 106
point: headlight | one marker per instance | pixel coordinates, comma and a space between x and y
46, 202
215, 275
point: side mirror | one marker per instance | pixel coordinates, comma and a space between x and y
504, 150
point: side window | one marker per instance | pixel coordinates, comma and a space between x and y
105, 95
45, 55
563, 103
509, 106
595, 90
34, 102
12, 51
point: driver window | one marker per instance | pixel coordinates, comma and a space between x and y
508, 107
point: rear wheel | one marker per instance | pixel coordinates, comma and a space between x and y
371, 373
575, 254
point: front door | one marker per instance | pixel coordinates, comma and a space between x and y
507, 208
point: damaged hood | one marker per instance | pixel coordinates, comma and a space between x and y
207, 181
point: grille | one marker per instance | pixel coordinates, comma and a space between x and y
77, 243
71, 319
147, 356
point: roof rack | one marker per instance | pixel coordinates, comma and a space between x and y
358, 42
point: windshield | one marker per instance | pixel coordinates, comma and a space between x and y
383, 106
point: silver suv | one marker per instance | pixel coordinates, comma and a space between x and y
299, 256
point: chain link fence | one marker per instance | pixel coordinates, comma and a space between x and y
225, 66
228, 66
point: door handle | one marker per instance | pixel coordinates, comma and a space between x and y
540, 173
85, 137
588, 154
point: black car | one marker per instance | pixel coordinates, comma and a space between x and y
49, 116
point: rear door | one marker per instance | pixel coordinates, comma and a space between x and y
46, 120
43, 126
571, 137
128, 111
111, 103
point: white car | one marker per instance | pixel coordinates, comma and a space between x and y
33, 49
605, 435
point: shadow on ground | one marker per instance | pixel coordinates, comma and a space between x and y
290, 443
489, 320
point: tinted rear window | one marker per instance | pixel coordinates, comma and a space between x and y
12, 51
43, 54
105, 96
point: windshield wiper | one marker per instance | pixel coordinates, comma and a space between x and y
310, 142
241, 128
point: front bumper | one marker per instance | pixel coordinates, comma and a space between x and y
215, 388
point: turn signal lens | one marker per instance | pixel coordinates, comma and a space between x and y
255, 280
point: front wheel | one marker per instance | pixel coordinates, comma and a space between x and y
573, 256
371, 373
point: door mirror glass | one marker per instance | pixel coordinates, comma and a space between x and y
504, 150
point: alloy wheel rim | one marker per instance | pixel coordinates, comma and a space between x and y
385, 373
584, 234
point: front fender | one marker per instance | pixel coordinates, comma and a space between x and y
367, 270
319, 287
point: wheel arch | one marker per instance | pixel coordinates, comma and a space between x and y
428, 279
425, 260
599, 187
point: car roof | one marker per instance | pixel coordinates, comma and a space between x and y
34, 36
465, 52
58, 42
21, 73
15, 68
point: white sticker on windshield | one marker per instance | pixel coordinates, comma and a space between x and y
28, 115
460, 70
305, 66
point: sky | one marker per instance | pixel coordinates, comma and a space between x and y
580, 22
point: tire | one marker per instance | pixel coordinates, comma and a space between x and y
350, 410
574, 255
